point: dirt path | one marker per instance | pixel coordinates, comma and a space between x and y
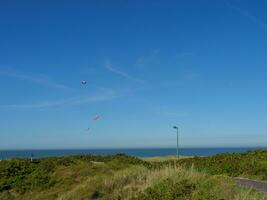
259, 185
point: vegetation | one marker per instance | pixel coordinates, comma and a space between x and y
123, 177
252, 164
189, 184
163, 158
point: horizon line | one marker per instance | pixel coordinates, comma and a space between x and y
133, 148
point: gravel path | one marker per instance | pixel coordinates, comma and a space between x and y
259, 185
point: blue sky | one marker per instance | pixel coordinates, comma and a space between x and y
149, 65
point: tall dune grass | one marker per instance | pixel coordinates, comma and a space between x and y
140, 183
115, 178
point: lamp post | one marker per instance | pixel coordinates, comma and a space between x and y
177, 148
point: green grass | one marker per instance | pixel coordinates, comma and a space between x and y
189, 184
51, 177
251, 164
123, 177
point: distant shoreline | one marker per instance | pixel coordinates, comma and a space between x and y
138, 152
135, 148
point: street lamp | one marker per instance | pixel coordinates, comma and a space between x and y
177, 148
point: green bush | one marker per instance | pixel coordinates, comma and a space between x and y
23, 175
250, 164
51, 178
169, 189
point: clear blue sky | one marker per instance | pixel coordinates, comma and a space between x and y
149, 65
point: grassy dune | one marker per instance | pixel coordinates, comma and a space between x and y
252, 164
117, 177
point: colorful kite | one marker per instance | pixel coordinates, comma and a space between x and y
95, 118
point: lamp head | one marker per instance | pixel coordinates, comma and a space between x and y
175, 127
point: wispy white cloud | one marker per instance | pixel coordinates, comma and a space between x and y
148, 60
104, 95
260, 23
121, 73
38, 79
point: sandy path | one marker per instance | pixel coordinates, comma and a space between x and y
259, 185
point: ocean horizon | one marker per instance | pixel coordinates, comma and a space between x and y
137, 152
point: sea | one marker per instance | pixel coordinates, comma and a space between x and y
138, 152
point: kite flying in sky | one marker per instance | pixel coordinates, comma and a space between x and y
83, 82
95, 118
